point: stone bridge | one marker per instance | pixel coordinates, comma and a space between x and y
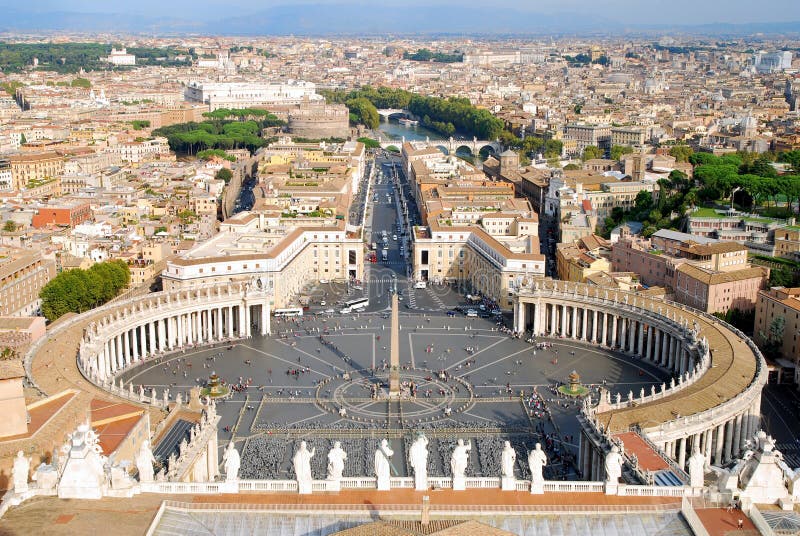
386, 113
450, 145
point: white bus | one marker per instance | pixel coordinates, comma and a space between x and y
291, 311
355, 305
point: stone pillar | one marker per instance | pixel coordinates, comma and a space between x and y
126, 347
728, 440
106, 370
242, 321
595, 331
657, 347
264, 318
709, 436
584, 320
737, 434
151, 332
670, 353
230, 321
120, 353
743, 432
191, 328
553, 319
682, 453
563, 321
641, 340
605, 329
574, 318
179, 330
719, 445
623, 334
614, 330
536, 308
136, 332
248, 320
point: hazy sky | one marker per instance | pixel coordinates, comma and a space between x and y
624, 11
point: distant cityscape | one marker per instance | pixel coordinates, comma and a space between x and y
565, 269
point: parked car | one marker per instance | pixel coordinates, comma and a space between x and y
472, 313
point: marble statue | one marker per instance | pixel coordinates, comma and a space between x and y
537, 459
697, 463
382, 464
336, 458
460, 459
507, 460
302, 467
144, 462
613, 466
232, 462
20, 470
418, 459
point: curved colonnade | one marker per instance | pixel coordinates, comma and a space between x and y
714, 402
138, 329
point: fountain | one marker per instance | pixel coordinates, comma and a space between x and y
574, 388
214, 387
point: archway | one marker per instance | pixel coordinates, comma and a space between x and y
464, 149
396, 115
486, 151
443, 149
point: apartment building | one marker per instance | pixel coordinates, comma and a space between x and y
586, 135
23, 274
578, 260
710, 275
628, 136
32, 167
781, 302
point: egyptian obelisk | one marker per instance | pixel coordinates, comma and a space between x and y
394, 351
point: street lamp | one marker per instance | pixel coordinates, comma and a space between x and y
732, 193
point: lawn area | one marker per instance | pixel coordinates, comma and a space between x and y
705, 212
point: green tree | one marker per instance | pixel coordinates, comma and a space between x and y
369, 143
591, 152
81, 82
224, 174
618, 150
681, 153
364, 112
80, 290
9, 226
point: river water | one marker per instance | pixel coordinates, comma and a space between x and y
392, 130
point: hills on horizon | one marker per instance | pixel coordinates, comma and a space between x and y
353, 19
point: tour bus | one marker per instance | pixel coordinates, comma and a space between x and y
290, 311
354, 305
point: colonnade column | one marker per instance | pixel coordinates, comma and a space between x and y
595, 331
682, 453
605, 329
623, 335
671, 353
641, 340
719, 434
584, 319
574, 333
737, 433
657, 347
553, 319
563, 321
536, 308
613, 330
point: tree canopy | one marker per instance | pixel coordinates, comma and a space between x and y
457, 112
79, 290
